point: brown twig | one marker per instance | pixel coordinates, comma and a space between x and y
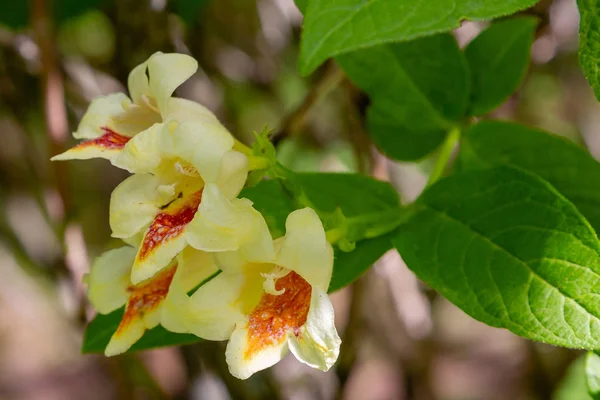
55, 113
295, 121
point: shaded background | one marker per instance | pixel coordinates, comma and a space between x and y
401, 340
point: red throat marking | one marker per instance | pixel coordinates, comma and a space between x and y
169, 224
110, 140
146, 296
277, 315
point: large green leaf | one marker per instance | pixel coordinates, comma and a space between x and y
568, 167
592, 374
509, 250
498, 60
333, 27
354, 194
418, 90
589, 42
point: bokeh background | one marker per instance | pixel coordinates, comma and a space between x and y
401, 340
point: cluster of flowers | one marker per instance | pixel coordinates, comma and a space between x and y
182, 221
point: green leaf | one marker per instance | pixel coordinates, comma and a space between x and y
100, 330
504, 246
353, 194
568, 167
498, 59
592, 374
333, 27
589, 42
271, 200
418, 90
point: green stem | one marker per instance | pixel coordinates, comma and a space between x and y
334, 235
241, 147
368, 226
444, 157
257, 163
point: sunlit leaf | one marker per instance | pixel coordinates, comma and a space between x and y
418, 90
333, 27
498, 60
567, 166
504, 246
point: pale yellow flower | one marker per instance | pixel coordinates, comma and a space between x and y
109, 289
184, 192
111, 121
266, 308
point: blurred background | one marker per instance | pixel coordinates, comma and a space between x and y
401, 340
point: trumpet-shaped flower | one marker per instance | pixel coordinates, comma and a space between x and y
109, 289
111, 121
266, 308
183, 192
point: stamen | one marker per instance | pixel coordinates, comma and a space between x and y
186, 170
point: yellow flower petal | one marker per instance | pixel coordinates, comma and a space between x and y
194, 267
135, 119
217, 306
137, 82
201, 144
106, 146
305, 248
135, 203
142, 154
186, 110
243, 367
317, 343
223, 225
109, 278
263, 340
142, 311
233, 173
165, 238
166, 72
100, 115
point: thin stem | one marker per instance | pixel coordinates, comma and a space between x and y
241, 147
257, 163
369, 225
334, 235
444, 157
